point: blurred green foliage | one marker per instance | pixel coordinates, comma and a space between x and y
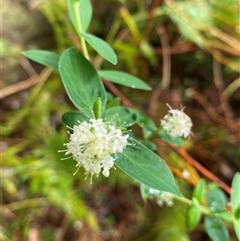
39, 189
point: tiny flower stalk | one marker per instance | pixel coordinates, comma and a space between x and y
93, 144
176, 123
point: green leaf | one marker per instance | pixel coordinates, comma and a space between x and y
236, 225
71, 12
102, 47
72, 118
173, 140
235, 195
215, 228
236, 212
81, 81
43, 57
147, 125
85, 11
193, 217
97, 108
226, 216
114, 102
125, 79
122, 116
199, 190
149, 144
216, 200
80, 12
145, 166
144, 190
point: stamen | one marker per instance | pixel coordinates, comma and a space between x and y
65, 158
91, 179
86, 176
62, 150
69, 127
78, 164
127, 131
169, 106
76, 171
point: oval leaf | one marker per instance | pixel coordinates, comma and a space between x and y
80, 12
146, 167
97, 108
178, 141
147, 125
236, 225
144, 190
113, 102
71, 5
72, 118
215, 228
216, 200
102, 47
193, 217
43, 57
199, 190
85, 12
235, 195
236, 212
125, 79
122, 116
81, 81
235, 200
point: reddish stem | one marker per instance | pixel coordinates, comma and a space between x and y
200, 168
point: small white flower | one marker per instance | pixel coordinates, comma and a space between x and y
177, 123
154, 191
91, 145
165, 198
162, 198
186, 173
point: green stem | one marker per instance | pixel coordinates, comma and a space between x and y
79, 29
202, 208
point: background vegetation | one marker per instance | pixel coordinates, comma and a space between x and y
188, 51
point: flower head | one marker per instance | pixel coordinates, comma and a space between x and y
91, 145
165, 198
177, 123
162, 198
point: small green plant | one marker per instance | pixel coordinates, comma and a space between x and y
100, 138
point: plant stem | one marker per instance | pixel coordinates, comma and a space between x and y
203, 209
79, 29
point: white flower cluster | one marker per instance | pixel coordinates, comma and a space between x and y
163, 198
91, 145
177, 123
